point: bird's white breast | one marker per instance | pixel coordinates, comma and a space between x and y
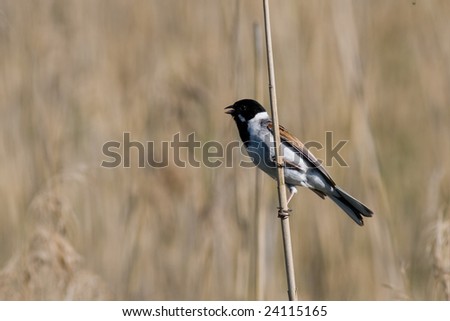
254, 124
261, 147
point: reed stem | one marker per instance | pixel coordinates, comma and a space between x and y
282, 199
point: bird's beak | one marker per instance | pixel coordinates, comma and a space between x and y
230, 111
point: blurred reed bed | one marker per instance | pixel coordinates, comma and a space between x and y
76, 74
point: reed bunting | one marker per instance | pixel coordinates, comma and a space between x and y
301, 168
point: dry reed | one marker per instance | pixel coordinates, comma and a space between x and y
48, 267
283, 210
76, 74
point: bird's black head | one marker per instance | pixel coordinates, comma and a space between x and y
245, 109
242, 111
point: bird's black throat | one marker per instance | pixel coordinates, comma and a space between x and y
243, 132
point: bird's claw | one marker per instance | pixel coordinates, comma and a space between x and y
282, 213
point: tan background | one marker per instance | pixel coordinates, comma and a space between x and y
76, 74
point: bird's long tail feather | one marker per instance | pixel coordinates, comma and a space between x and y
354, 208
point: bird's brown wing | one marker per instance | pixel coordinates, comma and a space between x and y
302, 151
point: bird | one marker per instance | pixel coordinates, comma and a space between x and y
301, 168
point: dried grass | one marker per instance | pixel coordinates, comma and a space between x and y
441, 256
48, 267
80, 73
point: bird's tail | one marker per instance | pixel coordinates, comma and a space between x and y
354, 208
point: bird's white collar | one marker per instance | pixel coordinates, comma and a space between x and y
261, 116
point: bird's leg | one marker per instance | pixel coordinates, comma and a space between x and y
292, 191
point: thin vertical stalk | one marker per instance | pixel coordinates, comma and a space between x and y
282, 199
